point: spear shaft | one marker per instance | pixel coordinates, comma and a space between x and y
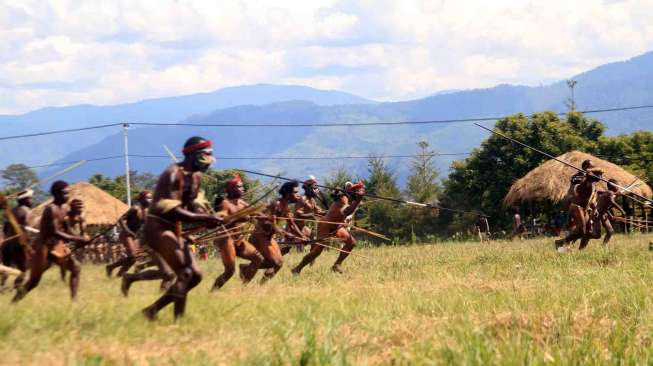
395, 200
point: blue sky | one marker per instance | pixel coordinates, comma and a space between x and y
70, 52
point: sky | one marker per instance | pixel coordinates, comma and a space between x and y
58, 52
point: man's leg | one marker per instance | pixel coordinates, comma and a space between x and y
247, 251
69, 263
350, 243
580, 227
609, 231
39, 264
177, 256
315, 252
273, 259
163, 273
228, 255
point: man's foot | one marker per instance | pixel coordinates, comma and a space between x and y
336, 268
108, 269
295, 271
20, 293
217, 284
150, 313
244, 272
125, 285
559, 243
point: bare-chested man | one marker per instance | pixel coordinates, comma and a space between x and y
306, 208
176, 190
266, 228
13, 252
345, 204
605, 201
236, 244
583, 196
130, 224
50, 246
76, 226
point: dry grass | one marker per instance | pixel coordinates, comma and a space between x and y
502, 303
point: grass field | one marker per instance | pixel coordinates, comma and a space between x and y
462, 303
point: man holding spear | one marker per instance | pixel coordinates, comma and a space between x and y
50, 248
266, 228
346, 202
130, 224
605, 202
235, 242
177, 188
306, 209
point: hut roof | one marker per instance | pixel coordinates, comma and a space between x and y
100, 208
550, 181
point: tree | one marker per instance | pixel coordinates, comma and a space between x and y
338, 178
422, 187
633, 152
117, 186
481, 181
18, 176
382, 215
423, 180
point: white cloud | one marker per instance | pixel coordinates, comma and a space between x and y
64, 52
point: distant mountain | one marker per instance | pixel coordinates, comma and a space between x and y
620, 84
171, 109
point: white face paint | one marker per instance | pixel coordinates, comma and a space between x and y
205, 159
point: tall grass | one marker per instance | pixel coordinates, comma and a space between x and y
449, 303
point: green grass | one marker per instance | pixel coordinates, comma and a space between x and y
463, 303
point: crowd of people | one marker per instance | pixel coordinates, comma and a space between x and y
165, 231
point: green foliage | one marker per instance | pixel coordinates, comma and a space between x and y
634, 152
338, 178
481, 181
18, 176
117, 186
381, 215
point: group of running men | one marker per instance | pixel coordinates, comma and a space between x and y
167, 221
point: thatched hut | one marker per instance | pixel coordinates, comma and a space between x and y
550, 180
100, 208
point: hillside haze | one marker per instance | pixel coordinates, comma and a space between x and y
618, 84
47, 149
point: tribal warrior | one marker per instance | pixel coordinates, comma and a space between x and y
346, 202
175, 192
604, 203
235, 244
307, 208
50, 246
584, 195
13, 253
266, 228
130, 223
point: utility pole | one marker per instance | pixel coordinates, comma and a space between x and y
572, 102
125, 128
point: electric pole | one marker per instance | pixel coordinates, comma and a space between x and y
572, 102
125, 128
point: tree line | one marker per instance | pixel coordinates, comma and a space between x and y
475, 184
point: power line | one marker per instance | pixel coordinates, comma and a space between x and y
54, 132
334, 124
250, 158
